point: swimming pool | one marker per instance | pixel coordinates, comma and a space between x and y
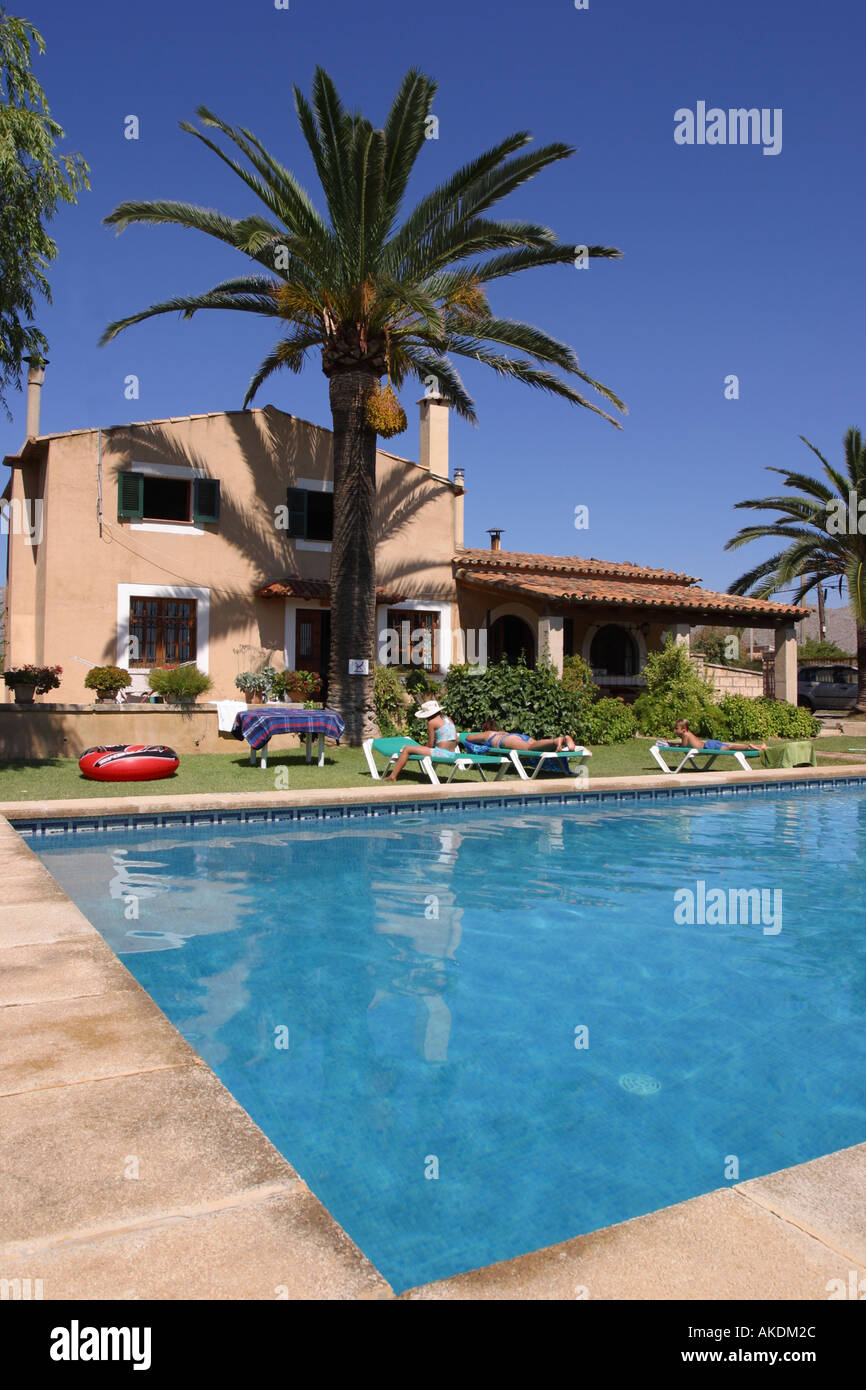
478, 1030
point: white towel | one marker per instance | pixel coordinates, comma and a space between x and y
227, 712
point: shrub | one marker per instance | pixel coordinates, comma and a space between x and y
609, 720
713, 643
711, 723
535, 702
42, 678
419, 682
577, 677
813, 650
178, 683
743, 720
789, 721
253, 682
107, 681
674, 690
389, 699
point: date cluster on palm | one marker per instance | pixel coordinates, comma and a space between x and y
385, 414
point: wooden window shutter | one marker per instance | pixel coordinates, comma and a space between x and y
205, 500
296, 501
130, 496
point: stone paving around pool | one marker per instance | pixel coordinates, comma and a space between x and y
128, 1171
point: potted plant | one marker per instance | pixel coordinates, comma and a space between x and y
179, 685
107, 681
28, 681
254, 685
297, 687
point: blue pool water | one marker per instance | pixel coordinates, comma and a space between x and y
431, 971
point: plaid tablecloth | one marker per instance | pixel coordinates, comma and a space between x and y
258, 726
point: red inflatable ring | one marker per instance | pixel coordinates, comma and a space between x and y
128, 762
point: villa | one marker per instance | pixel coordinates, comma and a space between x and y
207, 538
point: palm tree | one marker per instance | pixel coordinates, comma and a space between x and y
375, 295
822, 522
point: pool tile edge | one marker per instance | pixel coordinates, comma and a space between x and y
286, 1246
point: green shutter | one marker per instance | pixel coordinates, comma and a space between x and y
296, 501
130, 496
206, 500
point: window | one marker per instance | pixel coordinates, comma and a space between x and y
311, 514
147, 497
418, 638
162, 631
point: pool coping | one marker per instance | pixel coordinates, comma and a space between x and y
376, 794
228, 1217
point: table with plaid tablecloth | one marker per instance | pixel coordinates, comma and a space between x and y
258, 726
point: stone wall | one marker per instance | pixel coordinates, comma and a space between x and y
64, 731
729, 680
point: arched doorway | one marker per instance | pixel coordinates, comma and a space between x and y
614, 651
509, 636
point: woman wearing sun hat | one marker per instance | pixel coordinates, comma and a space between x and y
441, 737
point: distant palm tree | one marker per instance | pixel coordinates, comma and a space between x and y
376, 297
823, 526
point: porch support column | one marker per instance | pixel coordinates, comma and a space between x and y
681, 634
786, 663
551, 640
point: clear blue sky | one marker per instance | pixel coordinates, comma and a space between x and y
735, 261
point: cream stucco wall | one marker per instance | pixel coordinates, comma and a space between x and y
64, 592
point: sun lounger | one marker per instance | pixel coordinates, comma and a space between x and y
456, 762
538, 760
689, 755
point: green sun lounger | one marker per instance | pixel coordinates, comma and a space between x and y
688, 755
540, 759
456, 762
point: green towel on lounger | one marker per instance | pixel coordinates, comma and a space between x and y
801, 753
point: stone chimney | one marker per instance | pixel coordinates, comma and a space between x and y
495, 538
35, 378
434, 434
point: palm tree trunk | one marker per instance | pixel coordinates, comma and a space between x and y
353, 554
860, 707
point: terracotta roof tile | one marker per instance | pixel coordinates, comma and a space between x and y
296, 587
643, 590
516, 561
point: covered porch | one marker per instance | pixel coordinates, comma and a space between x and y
613, 615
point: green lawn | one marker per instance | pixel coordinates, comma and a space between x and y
58, 779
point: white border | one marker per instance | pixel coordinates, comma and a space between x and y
424, 606
187, 473
314, 485
202, 619
290, 628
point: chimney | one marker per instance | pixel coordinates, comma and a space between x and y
434, 434
495, 539
35, 378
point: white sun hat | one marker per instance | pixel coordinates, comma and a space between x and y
428, 709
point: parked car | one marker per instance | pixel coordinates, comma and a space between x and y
827, 687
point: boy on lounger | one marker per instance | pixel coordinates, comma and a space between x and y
707, 745
492, 738
441, 737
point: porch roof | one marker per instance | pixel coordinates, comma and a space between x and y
570, 580
294, 586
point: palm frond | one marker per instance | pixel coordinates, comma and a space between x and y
190, 304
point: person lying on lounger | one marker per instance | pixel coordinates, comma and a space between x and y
441, 737
492, 737
707, 745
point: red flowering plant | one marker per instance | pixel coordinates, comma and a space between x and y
42, 678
